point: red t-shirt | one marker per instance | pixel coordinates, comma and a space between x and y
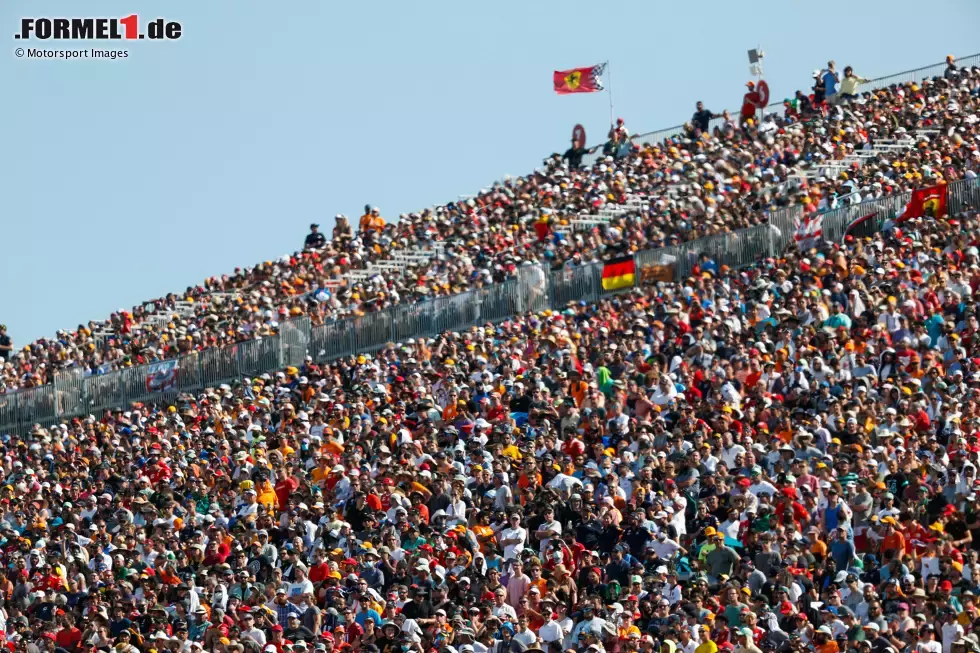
68, 638
284, 488
319, 572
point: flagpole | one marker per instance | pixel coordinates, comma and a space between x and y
612, 121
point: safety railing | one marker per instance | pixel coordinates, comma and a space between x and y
908, 76
533, 289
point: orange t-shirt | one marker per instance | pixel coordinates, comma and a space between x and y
893, 542
320, 475
449, 413
523, 482
482, 531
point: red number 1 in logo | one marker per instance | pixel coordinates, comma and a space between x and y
131, 25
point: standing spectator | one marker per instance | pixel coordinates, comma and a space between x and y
819, 88
574, 154
372, 220
750, 103
314, 239
951, 72
342, 228
702, 117
830, 80
6, 344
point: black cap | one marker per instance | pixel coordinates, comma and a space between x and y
314, 226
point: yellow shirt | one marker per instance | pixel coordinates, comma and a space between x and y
267, 495
320, 474
848, 85
707, 647
624, 633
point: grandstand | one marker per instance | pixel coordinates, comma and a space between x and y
662, 203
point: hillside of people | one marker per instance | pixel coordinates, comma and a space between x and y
776, 459
707, 181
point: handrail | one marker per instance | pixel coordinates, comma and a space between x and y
874, 84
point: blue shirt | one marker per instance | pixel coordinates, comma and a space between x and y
842, 551
832, 517
933, 324
364, 615
830, 82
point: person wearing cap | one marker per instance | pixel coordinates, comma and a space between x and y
315, 239
294, 630
721, 560
745, 641
250, 631
282, 606
927, 639
893, 540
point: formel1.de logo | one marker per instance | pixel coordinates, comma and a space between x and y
98, 29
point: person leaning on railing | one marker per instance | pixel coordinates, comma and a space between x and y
850, 83
952, 71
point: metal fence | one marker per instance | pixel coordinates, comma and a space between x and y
916, 75
533, 289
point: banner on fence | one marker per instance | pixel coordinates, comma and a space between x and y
161, 377
651, 274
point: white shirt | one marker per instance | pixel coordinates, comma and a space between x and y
527, 638
300, 588
504, 610
763, 486
555, 527
553, 632
928, 647
728, 455
951, 632
513, 550
678, 520
255, 634
665, 549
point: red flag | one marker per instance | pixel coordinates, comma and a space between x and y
864, 219
926, 202
579, 80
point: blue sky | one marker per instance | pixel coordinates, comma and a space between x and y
124, 180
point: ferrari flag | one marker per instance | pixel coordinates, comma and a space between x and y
579, 80
619, 273
926, 202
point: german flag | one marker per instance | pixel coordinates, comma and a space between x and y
619, 273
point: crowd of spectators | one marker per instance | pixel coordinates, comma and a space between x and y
782, 458
698, 184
